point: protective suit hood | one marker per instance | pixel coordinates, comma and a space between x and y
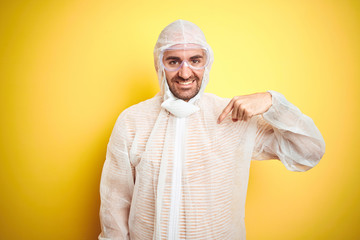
180, 32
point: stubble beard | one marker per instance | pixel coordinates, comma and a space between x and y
186, 96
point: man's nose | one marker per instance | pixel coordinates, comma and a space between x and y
185, 72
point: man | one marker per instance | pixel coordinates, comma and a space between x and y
177, 165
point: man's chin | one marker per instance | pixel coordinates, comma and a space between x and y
185, 97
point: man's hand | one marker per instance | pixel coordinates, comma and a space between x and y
246, 106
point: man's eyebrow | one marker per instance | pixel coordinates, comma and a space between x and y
171, 58
196, 56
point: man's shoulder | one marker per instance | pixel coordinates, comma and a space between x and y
142, 111
148, 107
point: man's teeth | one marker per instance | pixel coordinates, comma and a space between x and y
185, 83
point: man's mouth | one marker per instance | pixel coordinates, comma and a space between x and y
186, 82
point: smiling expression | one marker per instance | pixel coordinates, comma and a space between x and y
185, 82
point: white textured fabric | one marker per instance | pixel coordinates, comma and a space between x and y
169, 177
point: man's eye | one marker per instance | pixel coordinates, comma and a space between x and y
195, 61
173, 62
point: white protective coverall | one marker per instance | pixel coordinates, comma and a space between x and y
172, 172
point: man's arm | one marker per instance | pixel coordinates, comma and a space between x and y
116, 187
283, 131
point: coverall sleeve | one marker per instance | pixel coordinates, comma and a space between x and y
286, 134
116, 187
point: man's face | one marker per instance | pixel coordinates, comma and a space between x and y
185, 82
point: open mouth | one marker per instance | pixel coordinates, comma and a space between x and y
185, 82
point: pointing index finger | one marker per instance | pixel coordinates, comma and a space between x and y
226, 111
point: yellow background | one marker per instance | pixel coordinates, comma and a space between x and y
68, 68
